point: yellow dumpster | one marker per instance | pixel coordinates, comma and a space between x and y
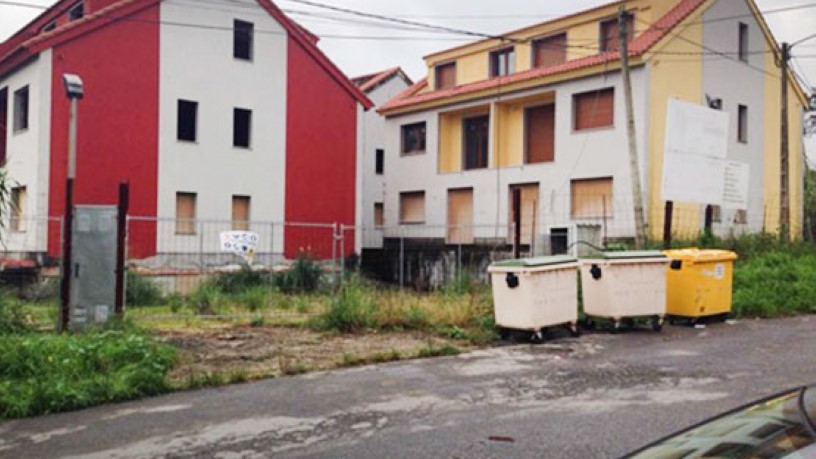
698, 283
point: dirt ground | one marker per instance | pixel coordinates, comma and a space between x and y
246, 352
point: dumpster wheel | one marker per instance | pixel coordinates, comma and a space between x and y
657, 323
574, 329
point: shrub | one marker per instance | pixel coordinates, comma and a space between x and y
774, 284
206, 299
302, 277
46, 373
255, 298
141, 291
12, 317
350, 311
239, 281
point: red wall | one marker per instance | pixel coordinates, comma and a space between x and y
321, 142
117, 122
4, 98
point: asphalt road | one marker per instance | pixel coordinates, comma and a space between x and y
594, 397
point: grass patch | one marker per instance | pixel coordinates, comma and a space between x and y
774, 284
431, 350
47, 373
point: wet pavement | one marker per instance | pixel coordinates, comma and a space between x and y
596, 396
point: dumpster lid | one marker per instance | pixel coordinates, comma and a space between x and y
536, 261
625, 255
701, 255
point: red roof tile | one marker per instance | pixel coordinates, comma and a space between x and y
638, 46
372, 80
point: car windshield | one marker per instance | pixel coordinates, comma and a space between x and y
776, 428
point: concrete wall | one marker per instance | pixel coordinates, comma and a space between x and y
28, 153
197, 64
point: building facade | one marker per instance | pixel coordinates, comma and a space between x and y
209, 114
531, 127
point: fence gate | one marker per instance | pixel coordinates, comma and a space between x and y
93, 274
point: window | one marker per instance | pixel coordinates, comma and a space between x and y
476, 141
550, 50
460, 216
413, 138
527, 195
21, 109
445, 75
540, 134
742, 123
716, 213
50, 26
502, 62
242, 36
412, 207
76, 11
741, 217
592, 198
240, 213
241, 126
379, 161
379, 214
187, 120
742, 46
19, 200
185, 213
610, 33
593, 109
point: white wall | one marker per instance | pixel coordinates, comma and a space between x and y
735, 82
27, 153
371, 136
589, 154
197, 64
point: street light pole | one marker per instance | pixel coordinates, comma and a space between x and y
74, 90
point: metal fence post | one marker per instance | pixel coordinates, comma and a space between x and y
342, 246
402, 261
201, 247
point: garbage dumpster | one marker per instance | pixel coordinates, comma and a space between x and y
534, 293
623, 286
698, 283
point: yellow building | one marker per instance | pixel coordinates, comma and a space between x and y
541, 110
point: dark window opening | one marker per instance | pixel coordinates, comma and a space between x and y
379, 161
742, 123
187, 120
743, 42
242, 40
550, 51
242, 124
445, 75
610, 33
21, 109
76, 11
50, 26
413, 138
502, 62
476, 141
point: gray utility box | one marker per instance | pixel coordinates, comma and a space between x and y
93, 274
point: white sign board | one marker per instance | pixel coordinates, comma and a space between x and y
695, 168
241, 243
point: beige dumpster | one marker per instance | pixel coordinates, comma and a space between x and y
623, 286
535, 293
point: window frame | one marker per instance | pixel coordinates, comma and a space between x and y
540, 40
743, 39
438, 68
509, 53
236, 111
379, 161
21, 122
404, 194
243, 30
72, 11
527, 131
180, 136
742, 123
404, 129
465, 121
607, 213
603, 43
191, 221
17, 223
379, 210
590, 93
241, 225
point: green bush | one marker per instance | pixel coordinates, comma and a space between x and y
206, 299
775, 283
302, 277
350, 311
239, 281
12, 316
47, 373
141, 291
254, 298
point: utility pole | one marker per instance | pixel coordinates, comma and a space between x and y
634, 167
784, 209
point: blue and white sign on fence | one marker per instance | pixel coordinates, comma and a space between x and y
241, 243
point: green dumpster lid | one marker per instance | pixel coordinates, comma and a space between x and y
536, 261
628, 255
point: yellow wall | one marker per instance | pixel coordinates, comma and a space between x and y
508, 135
473, 67
450, 142
772, 150
664, 77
